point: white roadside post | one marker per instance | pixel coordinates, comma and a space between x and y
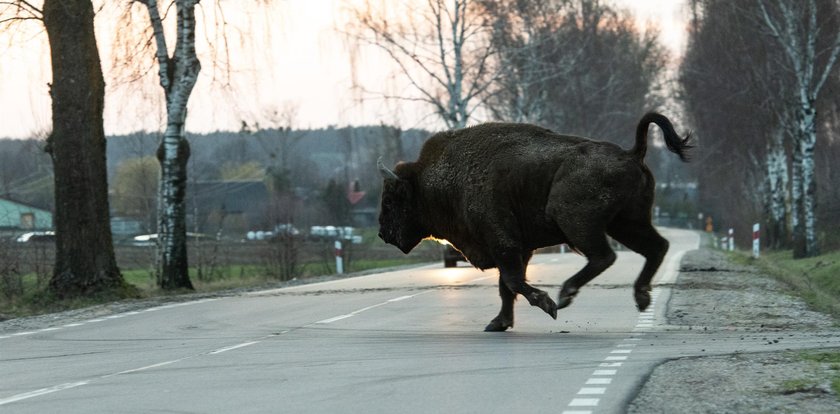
756, 241
731, 240
339, 261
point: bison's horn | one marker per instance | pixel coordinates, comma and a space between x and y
386, 173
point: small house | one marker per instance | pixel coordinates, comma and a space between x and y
17, 217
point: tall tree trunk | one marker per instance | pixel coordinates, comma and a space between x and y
777, 191
797, 28
84, 261
178, 75
796, 223
173, 153
806, 236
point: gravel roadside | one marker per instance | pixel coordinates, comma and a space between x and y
715, 293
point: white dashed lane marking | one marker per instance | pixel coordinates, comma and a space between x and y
66, 386
621, 353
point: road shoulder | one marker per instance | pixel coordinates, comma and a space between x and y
711, 292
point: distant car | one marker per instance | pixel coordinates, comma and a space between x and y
451, 256
280, 231
286, 229
145, 240
331, 233
37, 237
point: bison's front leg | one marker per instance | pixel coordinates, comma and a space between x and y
512, 274
504, 320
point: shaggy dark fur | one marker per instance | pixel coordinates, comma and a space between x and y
498, 191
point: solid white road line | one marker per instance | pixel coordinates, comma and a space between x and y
42, 391
367, 308
104, 318
160, 364
231, 348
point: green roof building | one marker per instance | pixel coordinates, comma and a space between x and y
16, 217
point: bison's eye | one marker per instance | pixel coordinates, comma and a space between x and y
387, 202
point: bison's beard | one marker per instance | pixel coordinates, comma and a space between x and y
405, 244
406, 248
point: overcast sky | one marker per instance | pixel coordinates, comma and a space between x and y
301, 62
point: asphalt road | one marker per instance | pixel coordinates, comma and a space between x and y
409, 341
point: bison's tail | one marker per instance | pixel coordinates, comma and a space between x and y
673, 141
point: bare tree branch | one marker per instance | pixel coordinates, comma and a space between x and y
161, 52
444, 47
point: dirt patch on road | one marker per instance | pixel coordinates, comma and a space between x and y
714, 293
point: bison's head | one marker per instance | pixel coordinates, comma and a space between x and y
398, 217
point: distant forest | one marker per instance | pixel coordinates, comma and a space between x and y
311, 170
316, 156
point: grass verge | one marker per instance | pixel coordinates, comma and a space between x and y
815, 279
828, 360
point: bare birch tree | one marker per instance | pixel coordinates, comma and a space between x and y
739, 87
808, 34
723, 77
441, 48
178, 74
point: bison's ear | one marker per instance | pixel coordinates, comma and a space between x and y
386, 173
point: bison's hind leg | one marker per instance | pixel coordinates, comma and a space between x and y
599, 256
642, 238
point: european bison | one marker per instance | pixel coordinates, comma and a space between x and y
498, 191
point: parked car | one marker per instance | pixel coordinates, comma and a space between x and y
283, 230
286, 229
151, 239
451, 256
37, 237
328, 233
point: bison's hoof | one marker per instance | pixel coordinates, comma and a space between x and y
642, 295
499, 324
565, 297
544, 302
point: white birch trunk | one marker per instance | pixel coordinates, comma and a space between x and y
806, 144
178, 76
796, 194
777, 191
797, 34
